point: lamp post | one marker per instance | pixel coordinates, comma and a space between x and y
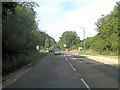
84, 37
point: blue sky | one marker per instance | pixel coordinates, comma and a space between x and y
57, 17
69, 6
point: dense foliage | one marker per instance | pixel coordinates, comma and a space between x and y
106, 41
20, 34
88, 41
70, 38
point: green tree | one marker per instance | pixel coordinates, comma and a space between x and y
47, 43
107, 37
87, 42
69, 38
52, 42
20, 34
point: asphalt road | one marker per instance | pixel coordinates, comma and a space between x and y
68, 71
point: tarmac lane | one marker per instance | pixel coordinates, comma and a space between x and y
52, 72
68, 71
97, 75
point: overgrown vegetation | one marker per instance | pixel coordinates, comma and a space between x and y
20, 35
106, 41
20, 61
87, 42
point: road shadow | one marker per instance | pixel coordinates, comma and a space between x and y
109, 70
76, 56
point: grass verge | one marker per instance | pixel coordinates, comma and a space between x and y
108, 53
85, 53
14, 63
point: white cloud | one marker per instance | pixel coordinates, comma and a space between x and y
48, 8
82, 17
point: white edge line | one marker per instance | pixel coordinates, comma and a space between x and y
85, 84
72, 67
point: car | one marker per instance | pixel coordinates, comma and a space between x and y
57, 52
51, 51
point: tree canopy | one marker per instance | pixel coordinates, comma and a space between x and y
20, 29
108, 32
20, 33
70, 38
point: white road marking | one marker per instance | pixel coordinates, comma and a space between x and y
85, 84
66, 59
72, 67
14, 80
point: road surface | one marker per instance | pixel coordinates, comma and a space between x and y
68, 71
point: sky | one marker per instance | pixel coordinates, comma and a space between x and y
55, 17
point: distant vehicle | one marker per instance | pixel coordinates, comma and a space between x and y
57, 52
51, 51
80, 49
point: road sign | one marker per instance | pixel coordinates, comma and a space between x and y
64, 45
66, 49
80, 48
37, 47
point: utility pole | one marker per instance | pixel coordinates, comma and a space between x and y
84, 37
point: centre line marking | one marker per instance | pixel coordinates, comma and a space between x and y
72, 67
85, 84
66, 59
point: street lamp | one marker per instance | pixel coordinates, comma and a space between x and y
84, 37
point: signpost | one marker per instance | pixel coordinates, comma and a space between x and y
37, 48
80, 48
64, 45
66, 49
84, 37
